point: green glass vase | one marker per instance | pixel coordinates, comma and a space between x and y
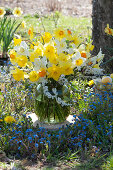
49, 110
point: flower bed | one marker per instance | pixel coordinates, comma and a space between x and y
50, 64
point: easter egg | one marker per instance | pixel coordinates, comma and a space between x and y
106, 80
111, 75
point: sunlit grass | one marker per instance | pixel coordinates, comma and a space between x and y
81, 26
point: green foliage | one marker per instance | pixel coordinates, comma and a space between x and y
49, 109
108, 165
8, 11
8, 27
81, 25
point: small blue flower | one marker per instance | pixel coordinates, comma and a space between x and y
36, 145
19, 148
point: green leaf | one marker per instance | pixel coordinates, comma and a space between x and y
8, 27
66, 99
39, 97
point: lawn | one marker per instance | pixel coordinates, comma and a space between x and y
80, 25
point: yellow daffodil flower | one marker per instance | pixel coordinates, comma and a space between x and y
91, 82
111, 75
49, 51
33, 55
18, 74
108, 30
96, 66
54, 72
22, 60
83, 54
59, 33
9, 119
33, 44
38, 50
79, 62
62, 58
53, 59
76, 40
23, 24
30, 32
13, 56
17, 41
2, 12
42, 72
46, 37
89, 47
67, 69
33, 76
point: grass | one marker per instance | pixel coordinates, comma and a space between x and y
81, 25
109, 163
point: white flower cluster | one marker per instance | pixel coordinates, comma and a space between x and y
54, 96
4, 75
93, 71
63, 80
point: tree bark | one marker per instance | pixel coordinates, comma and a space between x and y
102, 14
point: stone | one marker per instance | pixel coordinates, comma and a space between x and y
34, 118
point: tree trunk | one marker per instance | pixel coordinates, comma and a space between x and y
102, 15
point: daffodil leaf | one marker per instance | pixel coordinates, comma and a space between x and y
39, 97
66, 99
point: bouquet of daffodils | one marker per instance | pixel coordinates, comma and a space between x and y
50, 59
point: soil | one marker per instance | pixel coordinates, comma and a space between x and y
78, 8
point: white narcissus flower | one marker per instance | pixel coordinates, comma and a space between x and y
96, 59
17, 12
93, 71
78, 61
54, 90
82, 47
59, 100
61, 45
22, 49
97, 71
2, 12
97, 80
100, 56
23, 24
40, 63
43, 84
71, 50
